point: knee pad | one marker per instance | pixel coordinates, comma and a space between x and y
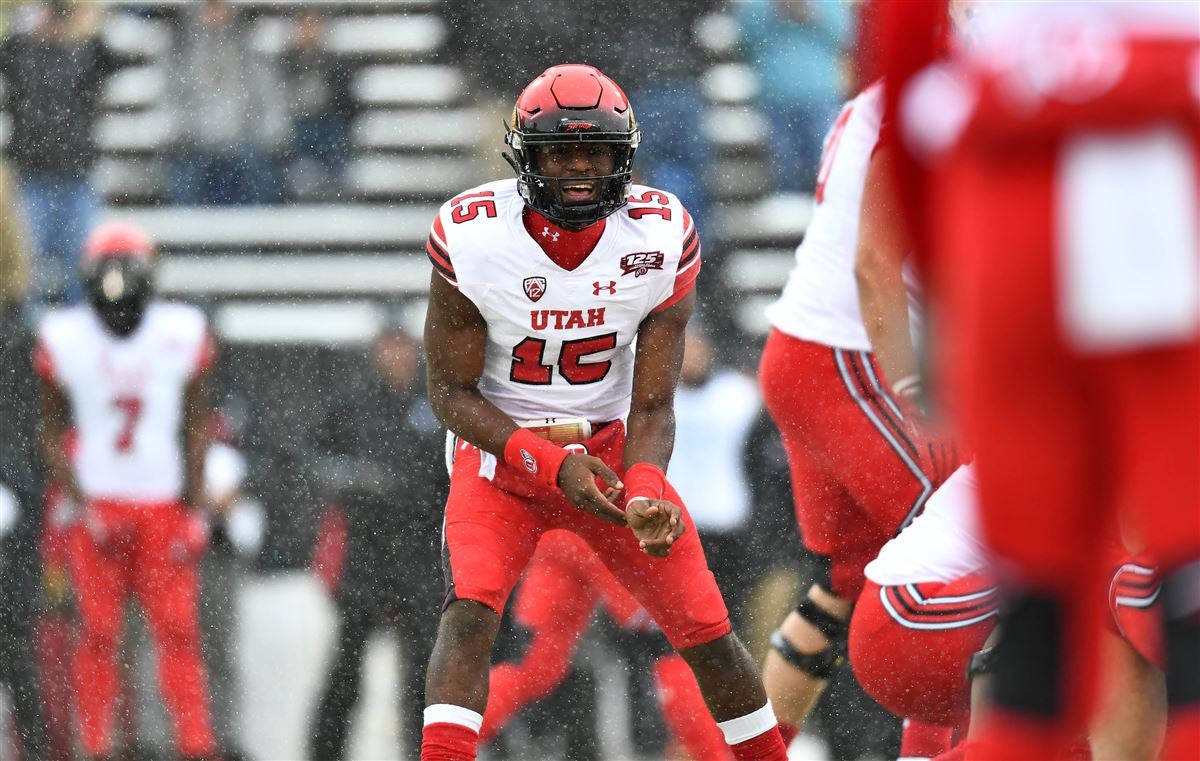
823, 663
1027, 660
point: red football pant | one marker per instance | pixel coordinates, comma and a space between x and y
492, 529
146, 552
910, 645
859, 471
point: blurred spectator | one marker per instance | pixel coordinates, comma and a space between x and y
646, 45
379, 454
715, 411
649, 47
795, 46
228, 102
14, 258
321, 105
17, 671
54, 72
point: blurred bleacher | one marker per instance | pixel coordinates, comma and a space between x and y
334, 273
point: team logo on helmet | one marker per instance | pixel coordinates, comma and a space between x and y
641, 262
535, 287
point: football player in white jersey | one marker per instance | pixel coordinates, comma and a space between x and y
861, 470
125, 371
540, 286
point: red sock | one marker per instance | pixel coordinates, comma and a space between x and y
685, 712
923, 740
448, 742
765, 747
1183, 735
787, 733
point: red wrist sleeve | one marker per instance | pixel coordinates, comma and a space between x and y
645, 480
529, 453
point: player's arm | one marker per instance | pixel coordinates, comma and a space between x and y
455, 345
878, 269
56, 421
656, 522
455, 348
196, 411
655, 375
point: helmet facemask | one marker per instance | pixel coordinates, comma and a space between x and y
118, 289
545, 193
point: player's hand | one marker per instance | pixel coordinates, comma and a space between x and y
656, 523
577, 479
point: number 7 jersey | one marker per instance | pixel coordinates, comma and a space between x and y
559, 342
126, 395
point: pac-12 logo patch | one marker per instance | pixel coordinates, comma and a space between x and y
535, 287
641, 262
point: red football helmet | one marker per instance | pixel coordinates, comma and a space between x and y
569, 104
117, 274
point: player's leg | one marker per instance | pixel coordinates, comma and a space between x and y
554, 604
679, 592
167, 583
1130, 716
859, 473
1158, 402
684, 709
488, 538
806, 650
98, 577
331, 723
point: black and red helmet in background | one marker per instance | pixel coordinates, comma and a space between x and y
118, 273
573, 103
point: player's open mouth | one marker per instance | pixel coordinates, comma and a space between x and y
578, 192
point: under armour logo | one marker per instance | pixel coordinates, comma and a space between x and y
553, 236
610, 288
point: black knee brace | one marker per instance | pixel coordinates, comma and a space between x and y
1026, 667
1181, 611
981, 663
821, 664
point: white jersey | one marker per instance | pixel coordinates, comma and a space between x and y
126, 396
820, 300
559, 342
943, 543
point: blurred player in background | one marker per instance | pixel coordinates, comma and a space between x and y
126, 371
540, 285
1052, 173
